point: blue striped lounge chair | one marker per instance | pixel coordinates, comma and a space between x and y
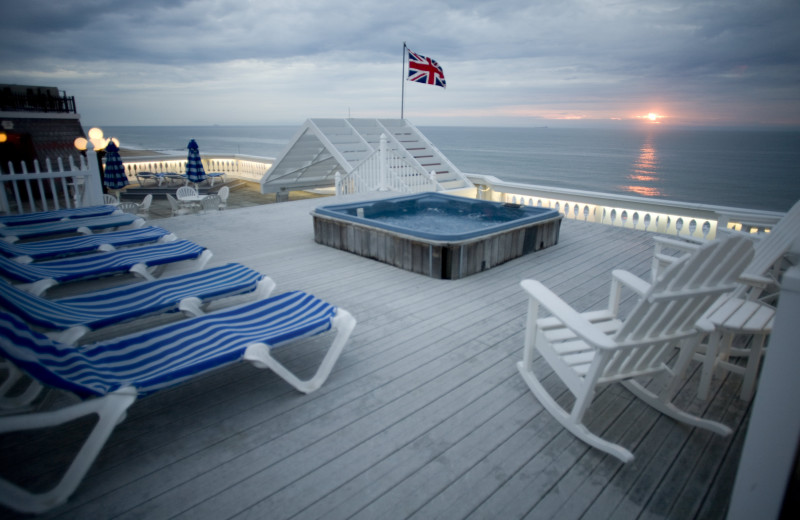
180, 178
39, 217
38, 277
213, 176
68, 246
84, 226
109, 376
157, 178
68, 319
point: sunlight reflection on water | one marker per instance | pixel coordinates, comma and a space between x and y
645, 171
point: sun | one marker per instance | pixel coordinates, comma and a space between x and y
652, 117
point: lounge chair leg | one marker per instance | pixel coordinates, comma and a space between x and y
69, 336
23, 399
259, 355
191, 306
264, 288
203, 259
38, 287
141, 270
109, 408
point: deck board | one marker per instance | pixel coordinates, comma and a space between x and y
424, 416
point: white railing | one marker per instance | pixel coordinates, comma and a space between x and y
386, 170
244, 167
681, 219
80, 185
49, 189
391, 175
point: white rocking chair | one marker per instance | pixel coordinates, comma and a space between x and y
586, 350
748, 314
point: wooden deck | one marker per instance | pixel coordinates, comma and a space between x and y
424, 416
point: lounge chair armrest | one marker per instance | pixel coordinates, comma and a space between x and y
566, 314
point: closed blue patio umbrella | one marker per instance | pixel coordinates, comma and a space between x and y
194, 165
114, 177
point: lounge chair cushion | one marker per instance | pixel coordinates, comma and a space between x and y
165, 356
108, 307
56, 215
70, 226
58, 247
103, 264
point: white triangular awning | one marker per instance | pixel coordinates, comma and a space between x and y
323, 147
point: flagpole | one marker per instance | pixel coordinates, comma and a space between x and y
403, 83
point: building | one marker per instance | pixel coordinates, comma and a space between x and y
36, 124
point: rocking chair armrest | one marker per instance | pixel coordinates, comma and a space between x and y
757, 281
631, 281
686, 245
566, 314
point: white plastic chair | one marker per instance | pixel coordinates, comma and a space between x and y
144, 206
210, 203
110, 199
589, 349
185, 191
177, 210
223, 197
129, 207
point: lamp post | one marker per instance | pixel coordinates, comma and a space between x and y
99, 144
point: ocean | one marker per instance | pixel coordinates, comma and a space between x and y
754, 169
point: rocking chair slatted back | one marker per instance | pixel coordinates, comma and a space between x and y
674, 304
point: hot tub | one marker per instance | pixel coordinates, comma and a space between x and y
442, 236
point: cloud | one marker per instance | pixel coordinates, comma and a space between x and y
225, 61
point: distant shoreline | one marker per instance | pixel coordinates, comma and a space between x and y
127, 152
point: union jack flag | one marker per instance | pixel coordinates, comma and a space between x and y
424, 70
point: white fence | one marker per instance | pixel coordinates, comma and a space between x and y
698, 221
244, 167
43, 190
393, 174
81, 185
386, 170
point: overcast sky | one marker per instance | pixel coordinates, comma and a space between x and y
511, 62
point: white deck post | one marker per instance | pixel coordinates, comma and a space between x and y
93, 187
770, 447
384, 166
